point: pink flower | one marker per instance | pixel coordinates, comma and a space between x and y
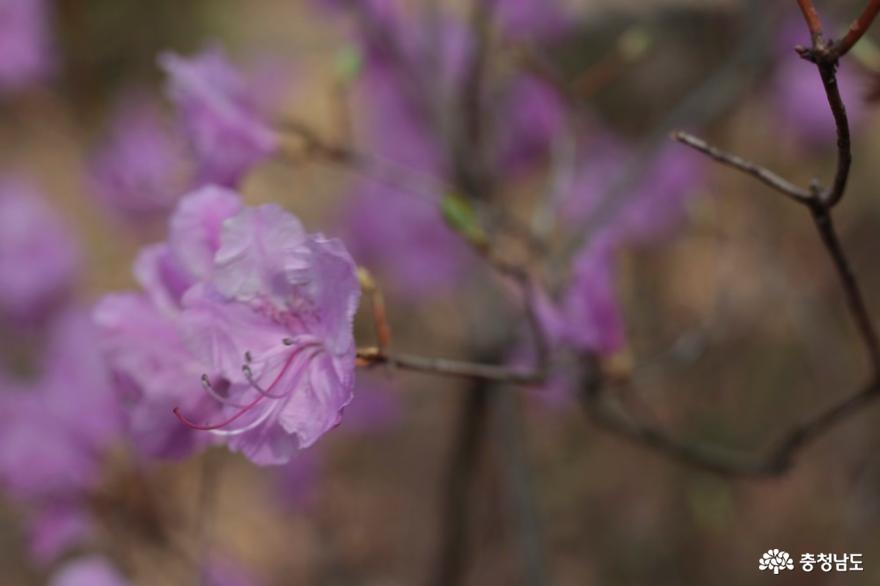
55, 427
137, 171
531, 116
589, 306
277, 324
39, 458
657, 206
38, 255
251, 308
584, 318
395, 227
55, 431
195, 230
221, 114
56, 528
154, 372
403, 238
142, 340
587, 316
648, 210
